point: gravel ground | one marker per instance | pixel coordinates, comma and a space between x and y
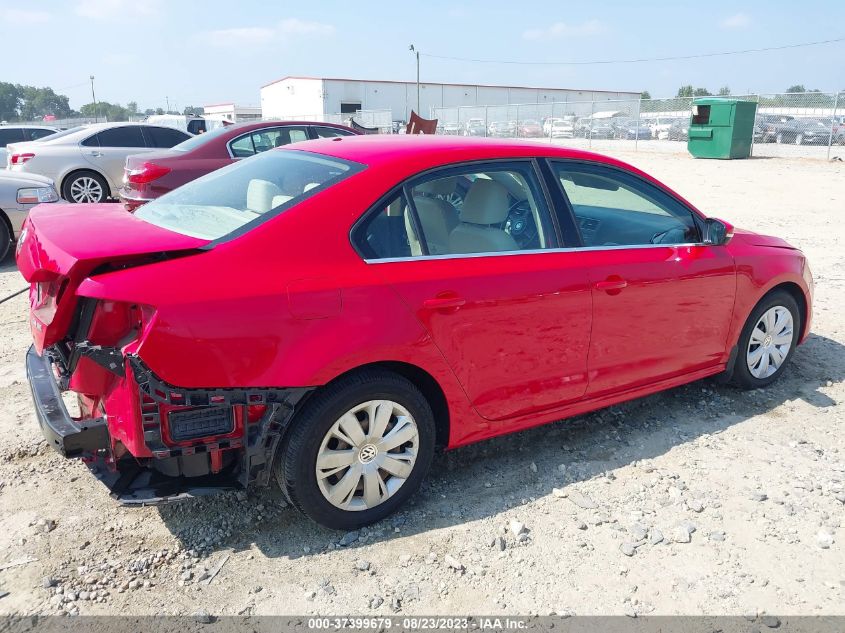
701, 499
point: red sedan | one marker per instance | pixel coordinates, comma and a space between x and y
325, 315
148, 176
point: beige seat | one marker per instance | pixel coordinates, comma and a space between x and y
437, 217
260, 195
485, 204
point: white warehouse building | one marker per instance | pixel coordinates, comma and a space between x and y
309, 97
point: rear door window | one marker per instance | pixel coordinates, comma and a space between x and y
164, 137
35, 134
261, 140
123, 136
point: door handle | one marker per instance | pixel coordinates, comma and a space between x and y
96, 153
612, 284
439, 303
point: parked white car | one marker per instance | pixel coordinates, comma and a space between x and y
18, 194
14, 133
86, 163
558, 128
659, 127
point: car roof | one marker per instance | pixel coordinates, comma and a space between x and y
425, 150
251, 125
402, 156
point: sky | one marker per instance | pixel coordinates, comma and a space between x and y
198, 53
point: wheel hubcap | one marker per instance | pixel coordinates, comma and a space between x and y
367, 455
770, 342
85, 189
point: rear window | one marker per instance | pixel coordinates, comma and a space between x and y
244, 194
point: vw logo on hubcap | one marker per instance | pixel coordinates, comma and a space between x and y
368, 453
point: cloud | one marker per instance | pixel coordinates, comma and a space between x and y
237, 37
16, 17
736, 21
295, 26
561, 29
114, 9
245, 37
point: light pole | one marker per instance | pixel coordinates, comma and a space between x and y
94, 98
417, 53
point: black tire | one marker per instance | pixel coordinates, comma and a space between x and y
295, 464
742, 376
5, 239
67, 185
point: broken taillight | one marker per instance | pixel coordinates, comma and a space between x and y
44, 298
115, 323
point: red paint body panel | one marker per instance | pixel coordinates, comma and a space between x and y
531, 339
672, 316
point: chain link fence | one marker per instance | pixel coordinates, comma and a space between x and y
379, 119
809, 124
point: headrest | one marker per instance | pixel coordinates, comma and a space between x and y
259, 195
439, 187
486, 202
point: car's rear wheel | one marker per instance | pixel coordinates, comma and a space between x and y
85, 187
358, 450
767, 341
5, 239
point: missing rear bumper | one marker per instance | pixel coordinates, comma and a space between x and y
135, 485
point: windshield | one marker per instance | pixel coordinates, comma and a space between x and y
247, 192
200, 139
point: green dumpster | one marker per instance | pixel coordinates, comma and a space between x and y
721, 128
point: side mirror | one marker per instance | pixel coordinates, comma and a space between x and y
717, 232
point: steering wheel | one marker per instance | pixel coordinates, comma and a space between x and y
675, 235
520, 224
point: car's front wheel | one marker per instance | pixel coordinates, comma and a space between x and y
358, 450
85, 187
767, 340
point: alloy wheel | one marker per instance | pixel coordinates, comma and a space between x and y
86, 189
770, 342
367, 454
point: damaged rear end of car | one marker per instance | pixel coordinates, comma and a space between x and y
147, 440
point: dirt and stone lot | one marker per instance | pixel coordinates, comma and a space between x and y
702, 499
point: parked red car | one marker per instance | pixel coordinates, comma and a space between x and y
148, 176
325, 315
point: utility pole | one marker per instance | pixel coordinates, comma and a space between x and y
94, 98
417, 53
167, 99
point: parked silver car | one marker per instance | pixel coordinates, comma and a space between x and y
15, 133
86, 163
18, 194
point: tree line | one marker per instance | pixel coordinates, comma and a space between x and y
31, 103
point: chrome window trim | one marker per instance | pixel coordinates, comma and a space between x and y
536, 251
